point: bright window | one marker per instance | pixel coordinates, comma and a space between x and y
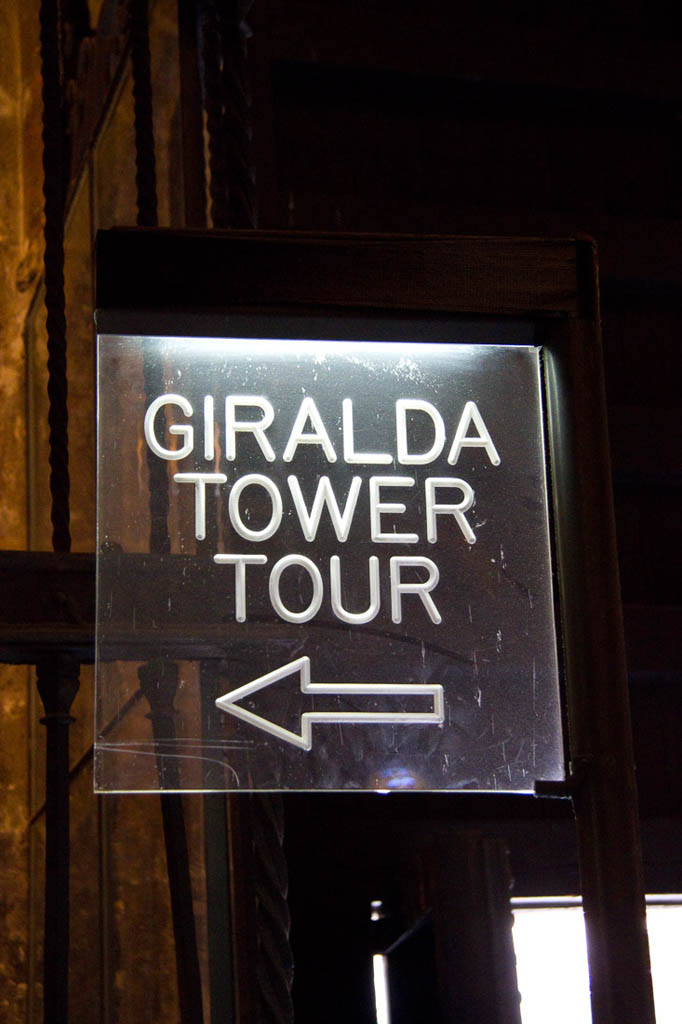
551, 959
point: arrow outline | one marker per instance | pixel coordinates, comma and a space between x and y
304, 740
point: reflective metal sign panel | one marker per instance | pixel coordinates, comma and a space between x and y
323, 565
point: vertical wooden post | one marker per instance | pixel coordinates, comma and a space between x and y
158, 682
468, 881
600, 741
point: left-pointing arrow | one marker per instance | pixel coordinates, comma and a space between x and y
230, 703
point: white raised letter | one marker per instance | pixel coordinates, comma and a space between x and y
376, 507
233, 506
255, 427
316, 579
180, 429
404, 456
433, 509
240, 562
200, 480
483, 439
349, 453
309, 411
324, 495
209, 429
374, 596
420, 588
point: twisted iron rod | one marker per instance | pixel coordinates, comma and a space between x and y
54, 190
57, 676
237, 118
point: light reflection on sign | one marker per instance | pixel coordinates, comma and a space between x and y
373, 513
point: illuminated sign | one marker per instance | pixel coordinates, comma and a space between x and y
354, 578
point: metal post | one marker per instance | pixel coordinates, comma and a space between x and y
57, 675
57, 686
54, 191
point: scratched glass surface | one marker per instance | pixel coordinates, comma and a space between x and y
323, 566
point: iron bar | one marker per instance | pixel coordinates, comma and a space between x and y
58, 682
57, 673
54, 190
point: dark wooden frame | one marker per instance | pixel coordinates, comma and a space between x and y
161, 275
